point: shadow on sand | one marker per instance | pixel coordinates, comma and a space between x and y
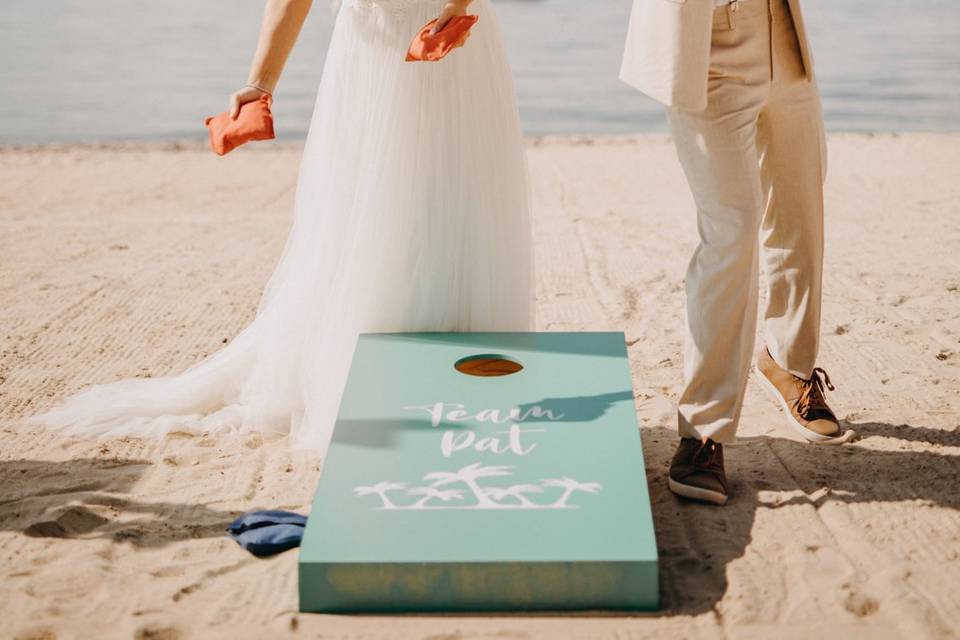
755, 465
68, 499
65, 499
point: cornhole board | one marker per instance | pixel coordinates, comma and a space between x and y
444, 491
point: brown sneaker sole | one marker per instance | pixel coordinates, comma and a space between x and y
807, 434
696, 493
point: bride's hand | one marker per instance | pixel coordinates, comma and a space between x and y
242, 97
450, 10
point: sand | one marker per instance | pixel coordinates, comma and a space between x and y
139, 259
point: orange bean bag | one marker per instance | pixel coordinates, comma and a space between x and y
255, 122
430, 48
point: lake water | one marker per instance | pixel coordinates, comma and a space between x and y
151, 69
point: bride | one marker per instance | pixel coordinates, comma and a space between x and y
410, 215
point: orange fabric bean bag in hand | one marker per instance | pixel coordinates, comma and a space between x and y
430, 48
255, 122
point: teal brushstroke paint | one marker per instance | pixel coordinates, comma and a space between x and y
542, 505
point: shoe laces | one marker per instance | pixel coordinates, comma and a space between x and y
708, 456
812, 393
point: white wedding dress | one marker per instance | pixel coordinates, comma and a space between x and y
411, 215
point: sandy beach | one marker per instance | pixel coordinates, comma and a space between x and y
140, 259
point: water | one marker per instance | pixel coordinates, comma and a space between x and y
152, 69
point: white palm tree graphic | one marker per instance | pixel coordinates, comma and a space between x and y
432, 492
569, 485
381, 489
516, 491
468, 475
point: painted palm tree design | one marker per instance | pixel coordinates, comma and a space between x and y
516, 491
432, 492
509, 497
469, 475
569, 485
381, 489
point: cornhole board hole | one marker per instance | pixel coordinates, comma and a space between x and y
483, 472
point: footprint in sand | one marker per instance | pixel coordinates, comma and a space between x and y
37, 634
158, 633
73, 521
860, 605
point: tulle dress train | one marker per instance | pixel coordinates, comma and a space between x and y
411, 214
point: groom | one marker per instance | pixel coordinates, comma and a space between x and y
737, 79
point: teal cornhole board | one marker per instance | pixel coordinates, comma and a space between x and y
450, 492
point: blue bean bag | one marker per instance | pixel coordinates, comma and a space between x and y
267, 533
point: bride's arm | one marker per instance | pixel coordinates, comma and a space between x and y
282, 20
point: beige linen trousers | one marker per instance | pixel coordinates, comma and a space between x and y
755, 159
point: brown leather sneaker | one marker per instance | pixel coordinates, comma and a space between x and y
802, 401
696, 471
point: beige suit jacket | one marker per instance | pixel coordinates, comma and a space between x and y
667, 55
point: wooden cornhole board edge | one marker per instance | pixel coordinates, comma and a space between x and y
527, 587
